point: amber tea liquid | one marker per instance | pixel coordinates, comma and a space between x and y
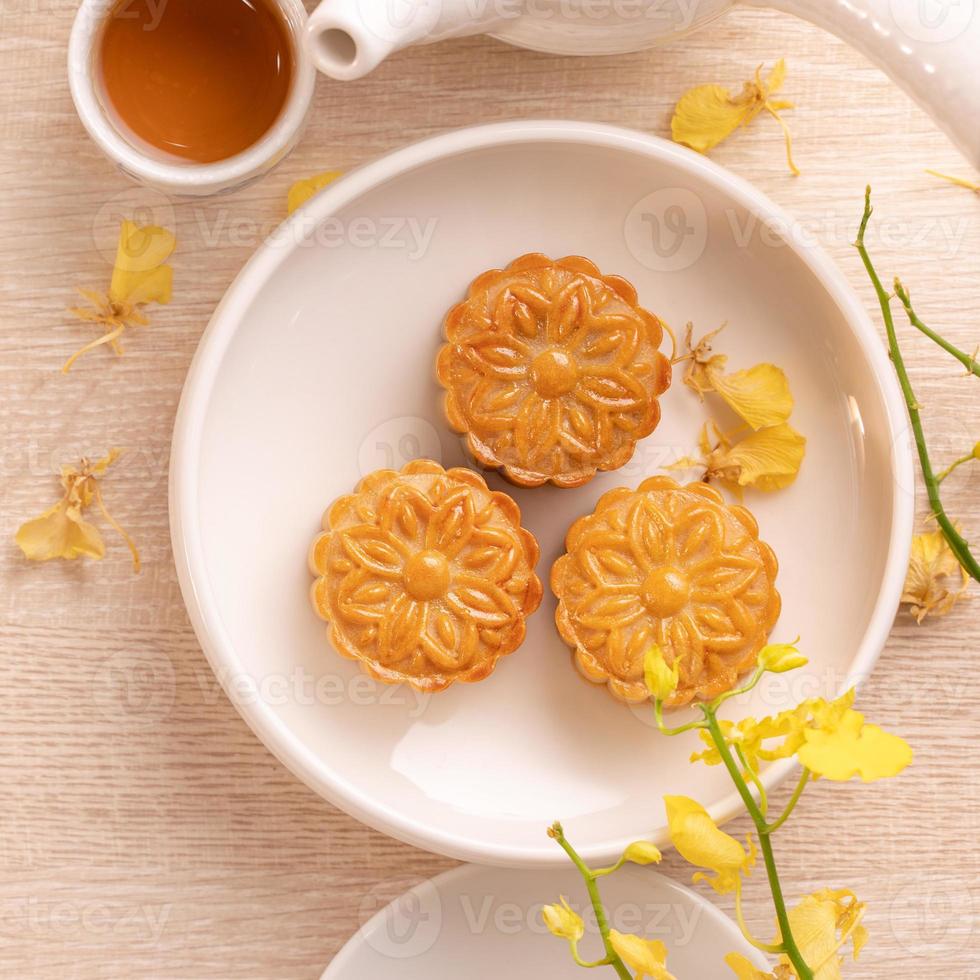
198, 79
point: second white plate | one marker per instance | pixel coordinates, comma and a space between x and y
485, 923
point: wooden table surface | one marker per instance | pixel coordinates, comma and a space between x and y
144, 830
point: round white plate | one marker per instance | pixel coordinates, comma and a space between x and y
317, 368
485, 923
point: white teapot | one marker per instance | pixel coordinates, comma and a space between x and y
930, 47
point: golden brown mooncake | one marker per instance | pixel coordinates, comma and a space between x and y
425, 576
552, 370
669, 565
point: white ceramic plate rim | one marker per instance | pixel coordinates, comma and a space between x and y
458, 878
188, 431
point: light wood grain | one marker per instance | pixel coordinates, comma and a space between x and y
144, 831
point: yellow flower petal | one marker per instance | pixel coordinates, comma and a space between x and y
562, 921
759, 395
139, 274
701, 842
931, 563
60, 532
743, 969
769, 459
647, 956
661, 680
853, 748
303, 190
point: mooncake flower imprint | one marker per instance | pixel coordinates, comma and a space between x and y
552, 370
668, 565
425, 576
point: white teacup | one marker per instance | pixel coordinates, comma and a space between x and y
156, 168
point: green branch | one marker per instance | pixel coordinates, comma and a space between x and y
956, 541
970, 363
588, 876
788, 944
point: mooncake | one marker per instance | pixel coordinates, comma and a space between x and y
552, 371
670, 565
425, 575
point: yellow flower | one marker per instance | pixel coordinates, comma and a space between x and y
959, 181
139, 276
759, 395
744, 970
661, 680
822, 924
303, 190
852, 748
642, 852
931, 563
647, 956
829, 738
768, 459
708, 114
562, 921
701, 842
778, 658
62, 531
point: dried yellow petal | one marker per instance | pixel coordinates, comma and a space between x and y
303, 190
769, 459
759, 395
139, 276
970, 185
62, 531
927, 591
701, 360
708, 114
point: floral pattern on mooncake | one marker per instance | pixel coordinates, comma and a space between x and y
552, 370
669, 565
425, 576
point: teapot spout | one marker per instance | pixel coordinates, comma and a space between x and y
349, 38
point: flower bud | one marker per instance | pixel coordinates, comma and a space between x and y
563, 922
642, 852
778, 658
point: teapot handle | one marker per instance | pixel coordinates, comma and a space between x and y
930, 49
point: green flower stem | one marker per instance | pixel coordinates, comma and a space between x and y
658, 710
970, 363
952, 466
956, 541
612, 957
754, 776
788, 943
793, 800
